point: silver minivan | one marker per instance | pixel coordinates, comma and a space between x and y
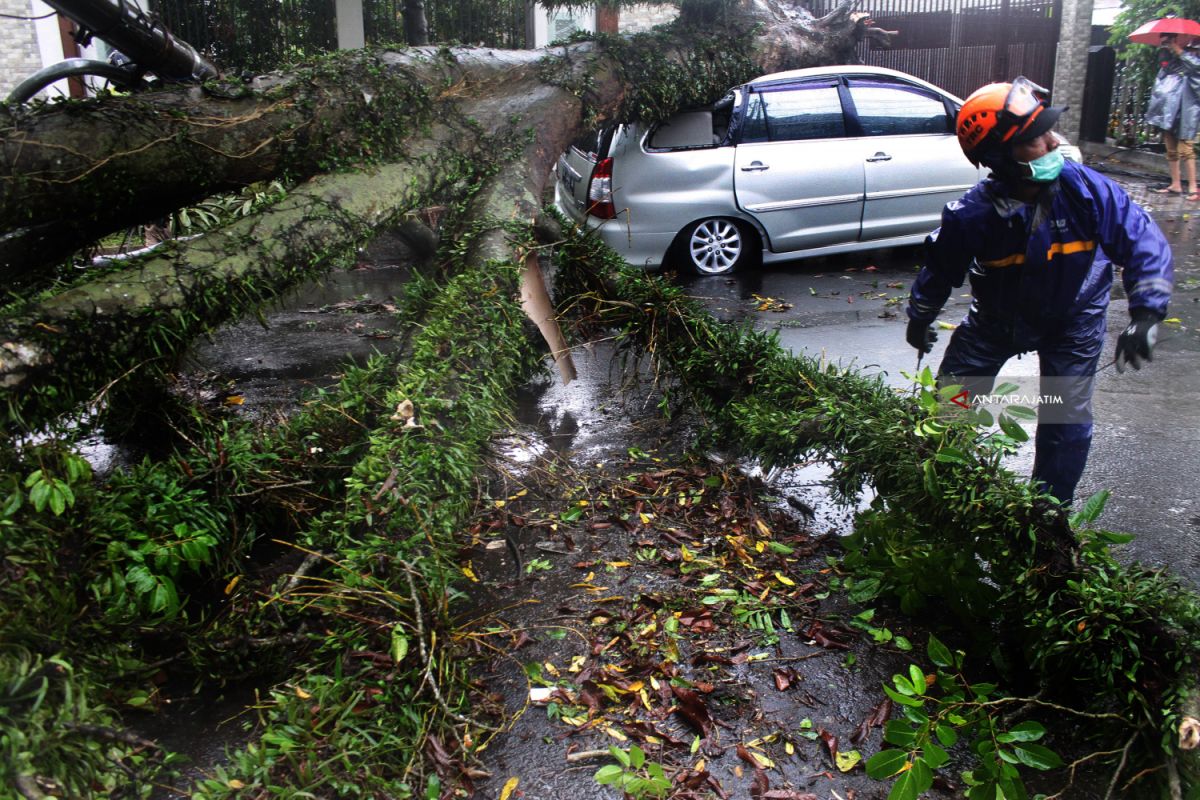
794, 164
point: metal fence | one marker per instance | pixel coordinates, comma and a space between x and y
258, 35
961, 45
1130, 96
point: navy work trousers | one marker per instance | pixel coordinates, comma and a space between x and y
979, 348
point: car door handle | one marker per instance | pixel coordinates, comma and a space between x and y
755, 166
880, 156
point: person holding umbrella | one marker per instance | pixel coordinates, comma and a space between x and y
1175, 99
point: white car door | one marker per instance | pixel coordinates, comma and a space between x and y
913, 162
793, 171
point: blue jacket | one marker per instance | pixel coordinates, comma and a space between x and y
1039, 281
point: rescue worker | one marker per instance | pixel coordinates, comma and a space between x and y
1036, 237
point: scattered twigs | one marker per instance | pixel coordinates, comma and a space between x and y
309, 562
427, 678
111, 734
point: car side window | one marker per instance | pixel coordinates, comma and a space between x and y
894, 109
793, 112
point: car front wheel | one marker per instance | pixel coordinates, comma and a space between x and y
715, 246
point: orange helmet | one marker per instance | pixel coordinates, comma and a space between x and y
1001, 114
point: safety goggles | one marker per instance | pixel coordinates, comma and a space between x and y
1023, 104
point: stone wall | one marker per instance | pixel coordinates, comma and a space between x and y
639, 18
1070, 64
19, 56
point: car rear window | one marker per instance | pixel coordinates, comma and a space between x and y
807, 111
886, 108
593, 143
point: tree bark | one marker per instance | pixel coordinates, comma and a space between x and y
70, 173
416, 28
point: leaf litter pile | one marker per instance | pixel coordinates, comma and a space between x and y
660, 631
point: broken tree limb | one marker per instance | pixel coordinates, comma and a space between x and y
72, 172
58, 352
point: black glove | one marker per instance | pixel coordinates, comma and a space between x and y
921, 335
1136, 343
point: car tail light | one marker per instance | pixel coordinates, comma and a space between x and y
600, 199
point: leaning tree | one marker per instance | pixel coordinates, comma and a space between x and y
106, 582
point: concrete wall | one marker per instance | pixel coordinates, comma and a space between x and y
19, 54
1070, 65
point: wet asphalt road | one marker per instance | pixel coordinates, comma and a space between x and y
850, 310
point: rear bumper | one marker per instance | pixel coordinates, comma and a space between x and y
639, 248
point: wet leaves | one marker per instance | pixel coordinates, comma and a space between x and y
671, 667
785, 677
878, 716
693, 709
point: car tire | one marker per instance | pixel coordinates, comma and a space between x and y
715, 246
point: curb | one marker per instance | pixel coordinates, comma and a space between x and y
1107, 155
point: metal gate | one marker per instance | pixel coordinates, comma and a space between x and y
257, 35
961, 45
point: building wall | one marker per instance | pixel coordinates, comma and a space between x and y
19, 53
1070, 64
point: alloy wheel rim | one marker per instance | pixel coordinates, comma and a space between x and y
715, 246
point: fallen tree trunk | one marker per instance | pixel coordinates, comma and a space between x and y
58, 353
108, 163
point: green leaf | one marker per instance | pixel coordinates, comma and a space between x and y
939, 654
58, 503
917, 676
903, 685
903, 700
636, 757
1091, 509
886, 763
13, 504
1012, 429
1036, 756
1111, 537
620, 755
981, 417
609, 773
930, 479
399, 644
1029, 731
38, 495
946, 735
912, 782
1006, 388
902, 643
899, 733
951, 455
934, 755
1021, 412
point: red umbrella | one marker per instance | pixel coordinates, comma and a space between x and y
1151, 31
